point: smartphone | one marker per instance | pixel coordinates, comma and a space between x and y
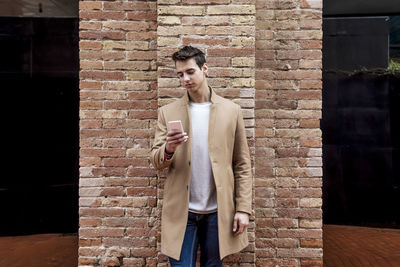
175, 126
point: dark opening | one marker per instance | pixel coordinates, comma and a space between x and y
361, 114
39, 79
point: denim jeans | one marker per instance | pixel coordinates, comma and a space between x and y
201, 229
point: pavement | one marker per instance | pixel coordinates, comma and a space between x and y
42, 250
351, 246
344, 246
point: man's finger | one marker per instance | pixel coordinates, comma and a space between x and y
177, 140
238, 232
235, 224
174, 137
241, 228
172, 133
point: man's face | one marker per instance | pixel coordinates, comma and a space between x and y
191, 76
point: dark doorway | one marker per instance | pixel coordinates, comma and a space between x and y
39, 80
361, 114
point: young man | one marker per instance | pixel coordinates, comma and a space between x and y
207, 192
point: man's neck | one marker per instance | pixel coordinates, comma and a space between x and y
201, 96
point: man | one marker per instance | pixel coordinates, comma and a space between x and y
207, 192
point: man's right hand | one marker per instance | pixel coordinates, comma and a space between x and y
174, 139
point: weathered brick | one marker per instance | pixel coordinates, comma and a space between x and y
243, 20
169, 20
205, 41
231, 9
206, 20
182, 10
125, 25
231, 30
178, 30
243, 41
168, 41
127, 65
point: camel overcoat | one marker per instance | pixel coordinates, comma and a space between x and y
231, 167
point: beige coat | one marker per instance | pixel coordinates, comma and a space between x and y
230, 160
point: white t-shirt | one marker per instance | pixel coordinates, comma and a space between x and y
203, 197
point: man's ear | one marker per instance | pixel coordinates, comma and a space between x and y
205, 68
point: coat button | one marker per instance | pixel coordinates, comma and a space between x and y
187, 187
189, 162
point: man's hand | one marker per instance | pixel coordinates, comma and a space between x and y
240, 222
174, 139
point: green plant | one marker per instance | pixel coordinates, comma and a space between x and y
394, 65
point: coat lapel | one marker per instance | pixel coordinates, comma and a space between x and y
187, 124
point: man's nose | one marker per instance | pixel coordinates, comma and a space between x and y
185, 77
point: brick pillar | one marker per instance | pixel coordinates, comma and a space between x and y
118, 187
288, 157
225, 31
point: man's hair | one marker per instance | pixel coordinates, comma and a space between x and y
188, 52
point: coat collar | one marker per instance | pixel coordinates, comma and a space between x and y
215, 99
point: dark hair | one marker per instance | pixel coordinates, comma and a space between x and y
188, 52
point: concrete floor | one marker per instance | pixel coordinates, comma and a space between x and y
344, 246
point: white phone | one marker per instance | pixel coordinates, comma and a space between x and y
175, 126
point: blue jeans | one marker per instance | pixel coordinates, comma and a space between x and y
200, 229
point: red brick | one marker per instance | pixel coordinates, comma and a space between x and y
90, 45
125, 242
137, 191
89, 242
137, 5
311, 243
144, 252
102, 75
101, 15
102, 35
142, 15
298, 192
300, 233
311, 262
142, 55
307, 142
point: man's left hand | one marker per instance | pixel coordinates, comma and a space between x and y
240, 222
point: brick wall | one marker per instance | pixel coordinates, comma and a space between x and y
118, 188
265, 55
288, 157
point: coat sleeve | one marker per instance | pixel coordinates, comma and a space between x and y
158, 148
242, 168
